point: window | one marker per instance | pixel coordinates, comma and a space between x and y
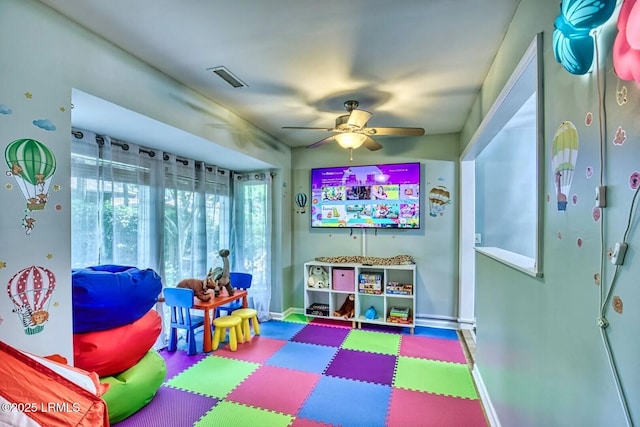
503, 164
133, 206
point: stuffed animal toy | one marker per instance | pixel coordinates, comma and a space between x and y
220, 275
318, 277
216, 279
199, 286
348, 308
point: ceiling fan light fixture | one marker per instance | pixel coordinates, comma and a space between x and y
350, 139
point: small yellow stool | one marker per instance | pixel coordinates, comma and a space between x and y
247, 314
235, 331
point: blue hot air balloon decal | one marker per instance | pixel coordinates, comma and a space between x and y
301, 201
573, 45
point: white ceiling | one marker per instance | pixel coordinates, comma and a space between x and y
416, 63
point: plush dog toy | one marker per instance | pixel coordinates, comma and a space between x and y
318, 277
348, 308
198, 286
216, 279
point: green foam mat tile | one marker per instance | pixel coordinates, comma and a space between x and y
296, 318
230, 414
373, 342
432, 376
213, 376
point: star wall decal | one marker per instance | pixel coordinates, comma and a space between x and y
49, 256
28, 95
3, 264
62, 109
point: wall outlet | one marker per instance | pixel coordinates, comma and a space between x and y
617, 258
478, 238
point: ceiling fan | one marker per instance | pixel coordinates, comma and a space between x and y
351, 130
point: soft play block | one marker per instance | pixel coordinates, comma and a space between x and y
343, 279
108, 296
132, 389
116, 350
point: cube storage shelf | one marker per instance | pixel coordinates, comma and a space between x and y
389, 289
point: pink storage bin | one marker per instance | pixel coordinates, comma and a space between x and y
343, 279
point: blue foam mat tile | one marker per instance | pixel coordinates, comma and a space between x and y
336, 401
303, 357
450, 334
280, 330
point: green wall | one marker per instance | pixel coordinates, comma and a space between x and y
539, 350
434, 247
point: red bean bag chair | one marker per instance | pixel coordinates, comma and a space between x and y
115, 350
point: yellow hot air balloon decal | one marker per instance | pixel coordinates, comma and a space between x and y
32, 165
563, 161
439, 197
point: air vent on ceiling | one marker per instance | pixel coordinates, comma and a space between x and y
227, 76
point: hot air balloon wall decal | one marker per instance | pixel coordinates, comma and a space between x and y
32, 165
30, 291
439, 198
301, 201
563, 161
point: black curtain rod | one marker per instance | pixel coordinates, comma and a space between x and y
125, 147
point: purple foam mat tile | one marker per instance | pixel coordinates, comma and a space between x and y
177, 361
170, 408
363, 366
321, 335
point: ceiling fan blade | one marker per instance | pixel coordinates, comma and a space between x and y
306, 128
395, 131
372, 144
321, 142
358, 118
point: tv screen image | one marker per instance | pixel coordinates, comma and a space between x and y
375, 196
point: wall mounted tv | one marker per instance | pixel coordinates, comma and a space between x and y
373, 196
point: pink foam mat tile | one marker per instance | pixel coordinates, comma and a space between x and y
415, 408
258, 350
275, 389
432, 348
303, 422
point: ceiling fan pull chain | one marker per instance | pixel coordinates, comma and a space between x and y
351, 154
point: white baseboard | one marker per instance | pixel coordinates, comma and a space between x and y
466, 323
441, 322
490, 411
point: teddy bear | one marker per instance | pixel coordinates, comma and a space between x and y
348, 308
318, 277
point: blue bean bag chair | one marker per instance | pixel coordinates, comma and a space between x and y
108, 296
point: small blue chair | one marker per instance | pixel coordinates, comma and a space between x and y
180, 301
238, 281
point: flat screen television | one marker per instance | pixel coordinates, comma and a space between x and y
373, 196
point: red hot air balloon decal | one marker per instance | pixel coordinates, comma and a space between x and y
30, 291
32, 165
